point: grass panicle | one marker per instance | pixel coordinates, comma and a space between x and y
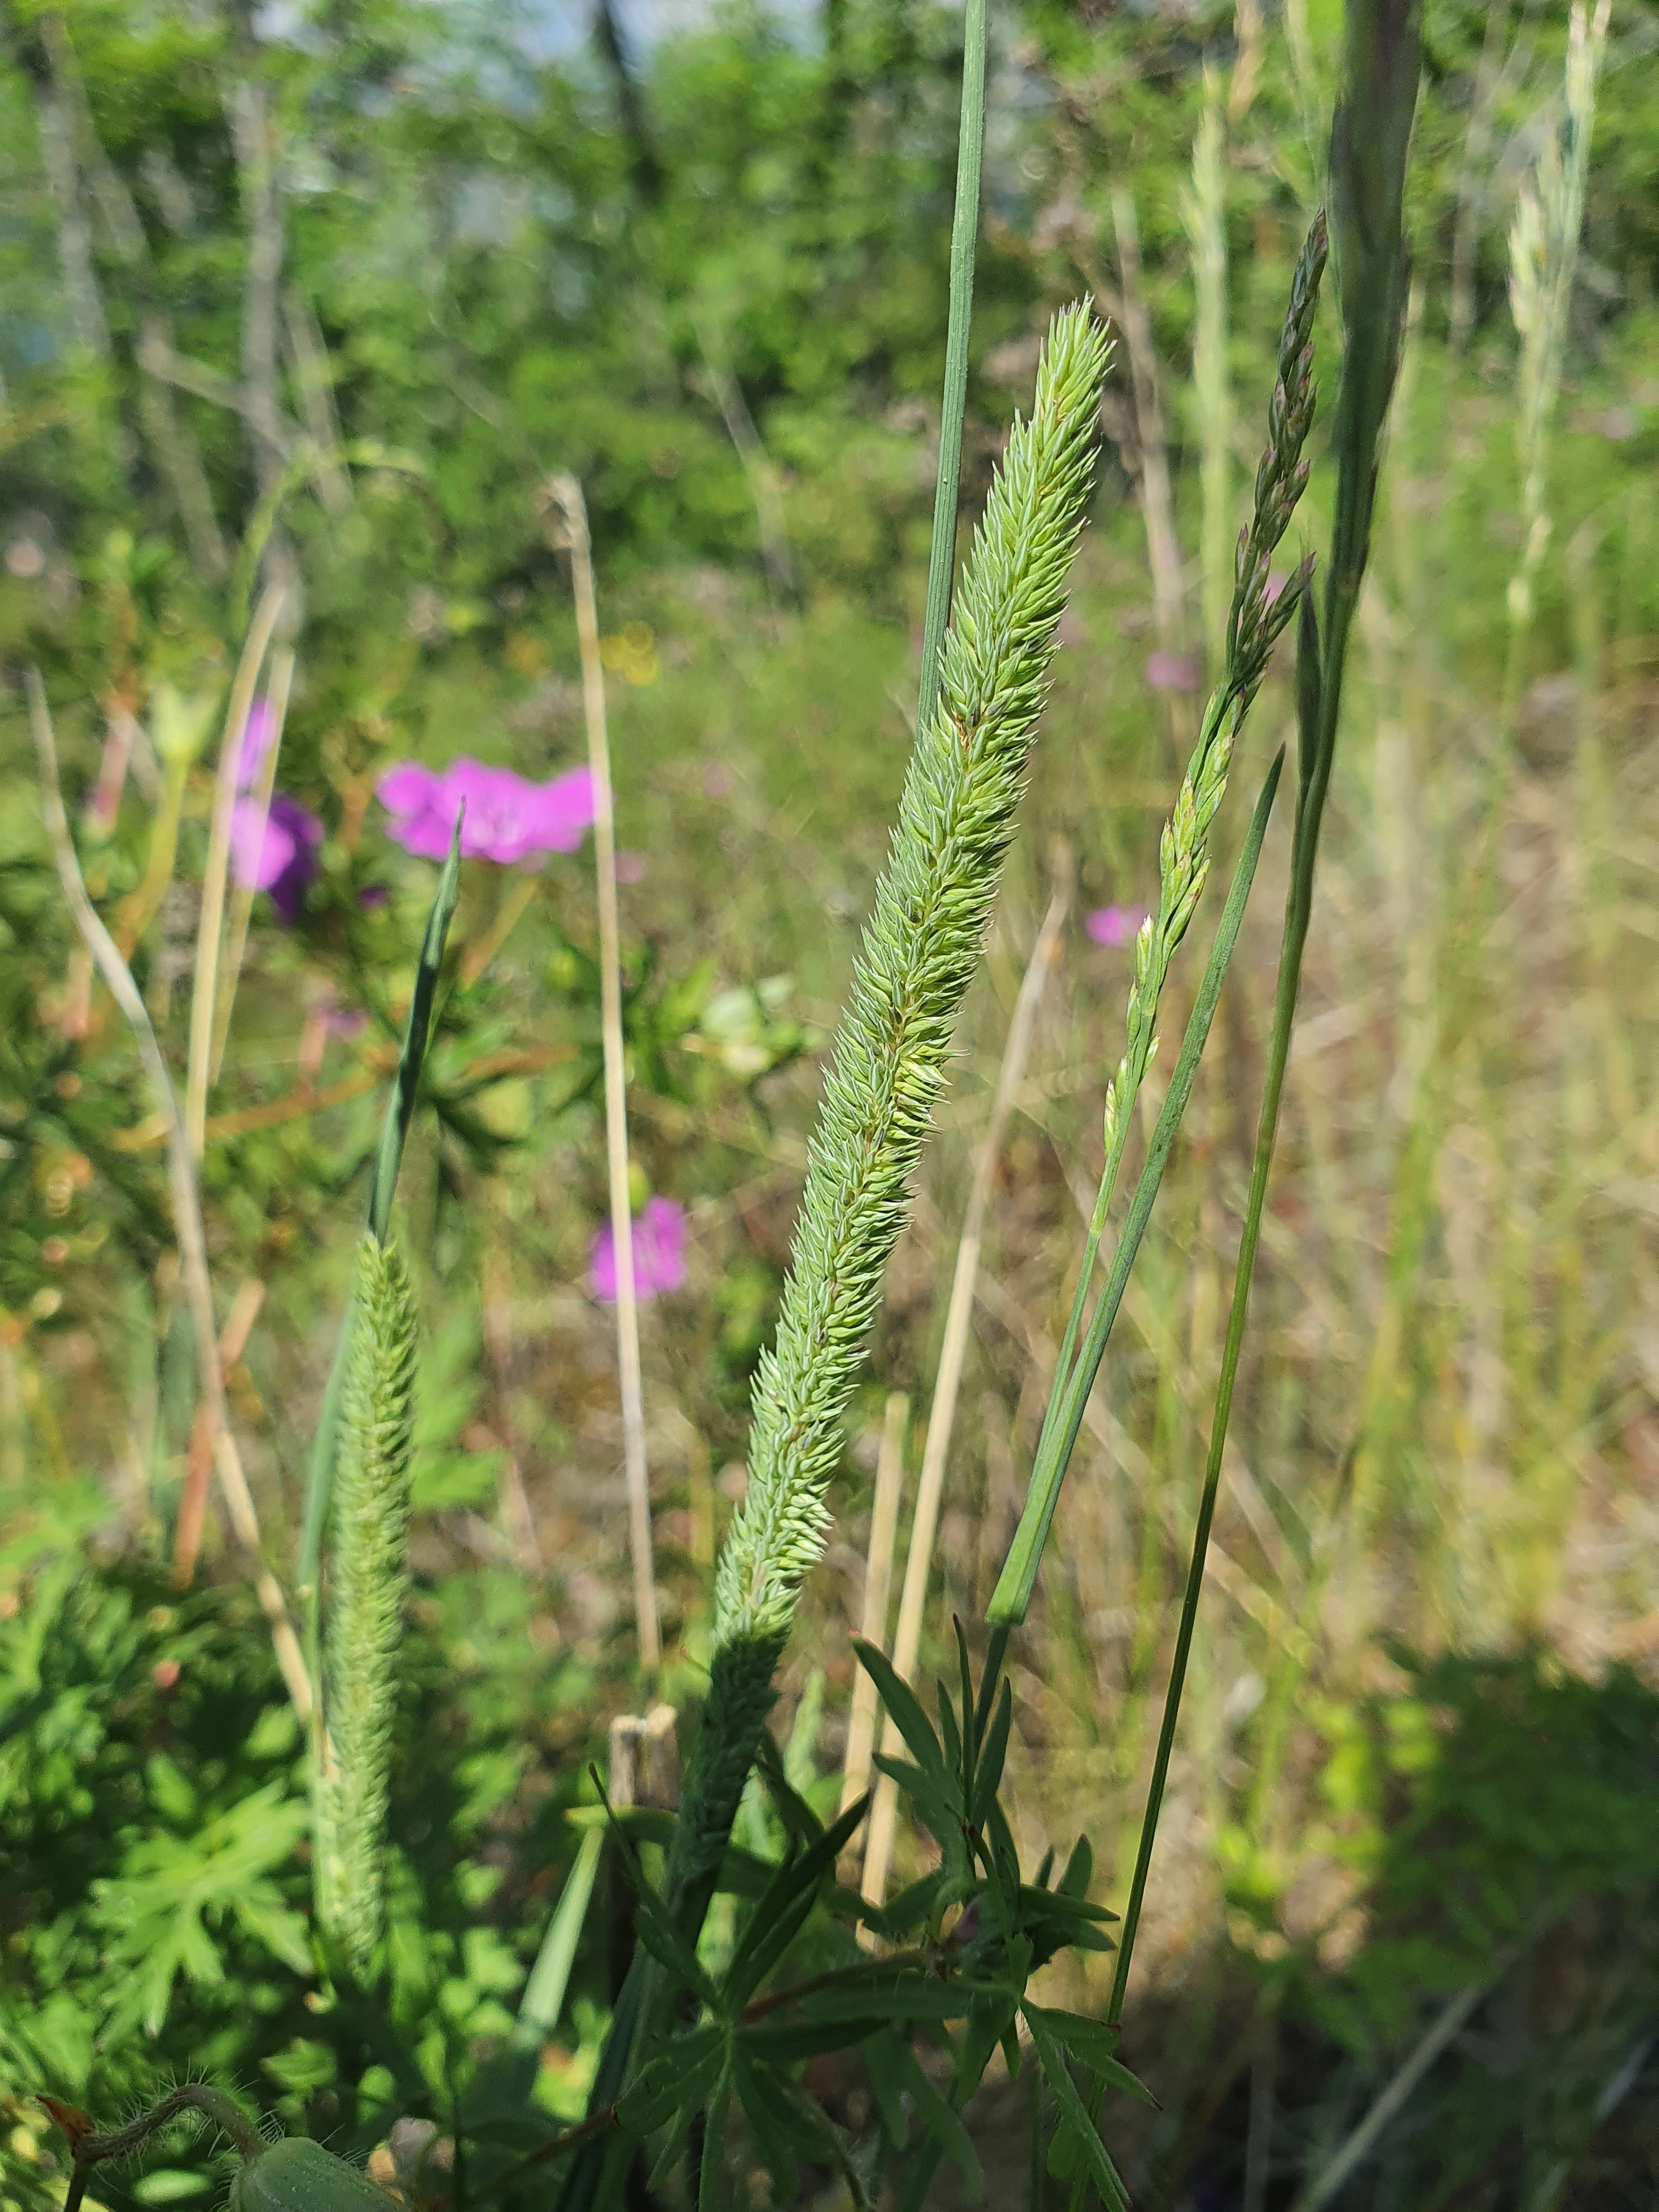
1368, 177
1255, 621
369, 1572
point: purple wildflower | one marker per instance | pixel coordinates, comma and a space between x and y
506, 818
658, 1252
1115, 925
278, 855
1172, 671
630, 867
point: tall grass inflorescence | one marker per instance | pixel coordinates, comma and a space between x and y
920, 951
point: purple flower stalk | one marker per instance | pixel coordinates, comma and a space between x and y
278, 853
658, 1252
507, 820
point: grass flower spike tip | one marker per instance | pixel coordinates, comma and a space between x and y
365, 1598
921, 949
508, 818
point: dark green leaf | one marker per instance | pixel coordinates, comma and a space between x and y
1051, 2057
902, 1709
680, 2076
989, 1775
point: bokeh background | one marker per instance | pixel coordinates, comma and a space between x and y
322, 294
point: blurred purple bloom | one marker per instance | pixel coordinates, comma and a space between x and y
630, 867
280, 854
658, 1252
1172, 671
1115, 925
373, 896
257, 739
506, 818
717, 780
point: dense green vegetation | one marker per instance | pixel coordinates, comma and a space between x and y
326, 311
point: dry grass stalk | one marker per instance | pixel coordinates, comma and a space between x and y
199, 1458
204, 991
186, 1208
567, 493
877, 1587
277, 688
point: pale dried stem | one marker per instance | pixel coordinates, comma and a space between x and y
567, 493
186, 1205
878, 1586
204, 987
907, 1641
277, 688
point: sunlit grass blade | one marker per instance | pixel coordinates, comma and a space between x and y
400, 1108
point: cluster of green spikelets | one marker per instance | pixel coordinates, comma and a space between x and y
368, 1579
1255, 624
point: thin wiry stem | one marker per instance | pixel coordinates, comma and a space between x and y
277, 688
568, 494
204, 988
186, 1206
964, 235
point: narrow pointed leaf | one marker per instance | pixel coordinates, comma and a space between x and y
1051, 2056
902, 1707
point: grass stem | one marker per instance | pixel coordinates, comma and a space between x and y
567, 493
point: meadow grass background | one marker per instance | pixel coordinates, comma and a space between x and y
1446, 1455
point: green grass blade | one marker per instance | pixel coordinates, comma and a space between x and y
964, 234
1013, 1595
400, 1107
543, 1996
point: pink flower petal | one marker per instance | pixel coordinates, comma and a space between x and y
507, 819
1171, 672
658, 1252
1115, 925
